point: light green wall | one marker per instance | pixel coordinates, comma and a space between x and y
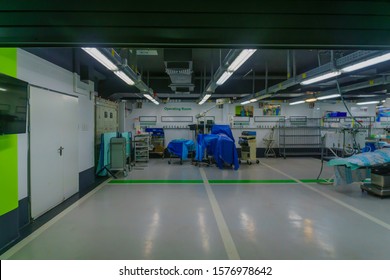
8, 63
8, 173
8, 145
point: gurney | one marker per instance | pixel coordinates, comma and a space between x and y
360, 167
180, 148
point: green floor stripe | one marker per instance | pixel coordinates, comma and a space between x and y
315, 180
251, 181
156, 182
287, 181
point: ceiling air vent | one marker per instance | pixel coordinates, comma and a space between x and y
178, 65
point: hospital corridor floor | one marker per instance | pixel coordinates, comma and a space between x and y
273, 210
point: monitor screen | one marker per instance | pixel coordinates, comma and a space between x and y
13, 105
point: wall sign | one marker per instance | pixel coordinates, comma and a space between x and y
177, 109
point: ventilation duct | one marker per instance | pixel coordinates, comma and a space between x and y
178, 65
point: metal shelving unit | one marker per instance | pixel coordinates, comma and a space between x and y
141, 148
157, 141
299, 136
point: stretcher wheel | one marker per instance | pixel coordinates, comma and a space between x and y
181, 162
169, 162
239, 161
257, 161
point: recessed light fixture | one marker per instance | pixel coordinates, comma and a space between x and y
3, 89
253, 100
245, 102
311, 100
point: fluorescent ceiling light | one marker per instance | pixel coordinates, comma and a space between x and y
367, 102
367, 63
224, 77
204, 99
321, 78
253, 100
124, 77
328, 96
245, 102
297, 102
240, 59
2, 89
96, 54
148, 96
311, 100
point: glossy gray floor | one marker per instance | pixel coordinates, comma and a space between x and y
193, 219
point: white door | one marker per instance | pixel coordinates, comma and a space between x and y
70, 140
54, 149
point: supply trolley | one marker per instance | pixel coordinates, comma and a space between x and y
157, 141
141, 148
247, 141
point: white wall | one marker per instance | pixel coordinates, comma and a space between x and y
223, 116
40, 72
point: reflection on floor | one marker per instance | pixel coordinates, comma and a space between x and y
166, 212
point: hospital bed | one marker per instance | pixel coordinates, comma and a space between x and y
358, 168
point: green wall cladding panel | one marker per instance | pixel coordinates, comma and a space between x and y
8, 63
8, 145
8, 173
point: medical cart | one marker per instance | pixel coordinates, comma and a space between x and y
247, 141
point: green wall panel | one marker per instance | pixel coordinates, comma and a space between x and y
8, 173
8, 63
8, 145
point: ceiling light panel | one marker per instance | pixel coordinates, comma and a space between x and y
367, 63
224, 77
124, 77
328, 96
321, 78
297, 102
367, 102
96, 54
240, 59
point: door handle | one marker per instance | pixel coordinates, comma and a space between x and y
60, 149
